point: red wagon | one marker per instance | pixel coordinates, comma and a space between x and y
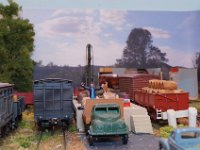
157, 104
28, 96
129, 83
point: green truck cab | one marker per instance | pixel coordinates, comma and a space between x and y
106, 121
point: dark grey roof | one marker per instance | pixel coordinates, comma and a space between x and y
53, 80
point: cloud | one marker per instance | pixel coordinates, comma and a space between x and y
76, 23
73, 54
64, 12
158, 33
115, 18
67, 26
178, 57
68, 32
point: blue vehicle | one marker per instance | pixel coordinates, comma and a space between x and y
182, 139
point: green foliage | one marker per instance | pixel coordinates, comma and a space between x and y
24, 141
46, 136
139, 52
181, 126
166, 131
16, 47
72, 128
26, 124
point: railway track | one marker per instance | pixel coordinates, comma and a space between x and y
64, 133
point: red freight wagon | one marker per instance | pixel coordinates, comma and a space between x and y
157, 104
28, 96
131, 82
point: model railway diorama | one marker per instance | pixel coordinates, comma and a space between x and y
114, 107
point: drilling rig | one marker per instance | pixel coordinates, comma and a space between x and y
88, 74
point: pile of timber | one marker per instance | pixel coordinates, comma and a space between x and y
162, 86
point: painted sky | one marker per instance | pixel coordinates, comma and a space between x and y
62, 33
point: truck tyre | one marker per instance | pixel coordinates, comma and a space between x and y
161, 147
90, 140
125, 139
87, 129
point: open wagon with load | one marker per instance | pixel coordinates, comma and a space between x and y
160, 96
129, 83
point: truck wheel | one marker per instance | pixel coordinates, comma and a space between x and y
125, 139
86, 129
161, 147
90, 140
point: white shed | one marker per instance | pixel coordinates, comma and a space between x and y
186, 80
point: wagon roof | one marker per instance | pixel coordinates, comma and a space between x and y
138, 75
5, 84
53, 80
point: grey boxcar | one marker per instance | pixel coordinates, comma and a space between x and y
6, 106
53, 102
10, 111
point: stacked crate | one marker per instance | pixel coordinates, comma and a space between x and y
137, 119
131, 82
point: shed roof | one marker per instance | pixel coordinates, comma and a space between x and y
53, 80
5, 85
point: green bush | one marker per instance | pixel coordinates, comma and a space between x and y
26, 124
23, 142
181, 126
166, 131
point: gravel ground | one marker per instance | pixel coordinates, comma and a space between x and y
136, 142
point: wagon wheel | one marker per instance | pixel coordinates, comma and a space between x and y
20, 117
152, 114
40, 126
16, 123
2, 131
90, 140
125, 139
8, 127
64, 125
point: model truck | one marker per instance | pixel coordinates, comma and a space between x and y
104, 120
182, 139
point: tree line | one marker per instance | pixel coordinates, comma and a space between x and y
17, 45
